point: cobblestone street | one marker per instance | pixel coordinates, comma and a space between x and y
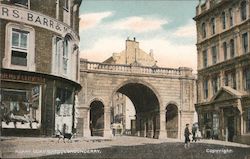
119, 147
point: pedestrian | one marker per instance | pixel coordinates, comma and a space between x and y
186, 134
194, 129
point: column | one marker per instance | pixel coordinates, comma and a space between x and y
210, 88
179, 124
238, 48
239, 78
200, 88
86, 129
107, 132
222, 125
222, 78
162, 131
82, 125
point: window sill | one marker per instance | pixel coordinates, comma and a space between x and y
23, 6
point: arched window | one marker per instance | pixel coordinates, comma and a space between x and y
225, 50
223, 20
205, 58
205, 89
232, 48
214, 55
230, 17
203, 29
213, 26
243, 10
66, 49
245, 43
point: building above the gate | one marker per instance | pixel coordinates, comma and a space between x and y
132, 55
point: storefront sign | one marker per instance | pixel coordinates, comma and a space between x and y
19, 77
23, 15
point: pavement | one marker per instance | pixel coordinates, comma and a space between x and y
99, 147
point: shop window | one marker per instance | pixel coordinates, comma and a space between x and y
214, 55
213, 26
203, 29
207, 117
21, 107
232, 48
225, 50
243, 10
63, 102
215, 125
223, 20
205, 58
230, 17
205, 89
19, 47
245, 43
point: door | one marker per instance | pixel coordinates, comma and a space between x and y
231, 127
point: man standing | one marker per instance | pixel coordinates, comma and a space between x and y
186, 134
194, 129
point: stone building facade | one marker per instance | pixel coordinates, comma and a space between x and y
39, 66
223, 40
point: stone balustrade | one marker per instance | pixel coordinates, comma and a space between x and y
119, 68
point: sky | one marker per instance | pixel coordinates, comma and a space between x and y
165, 26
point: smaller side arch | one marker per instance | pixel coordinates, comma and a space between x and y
172, 120
95, 99
173, 103
96, 116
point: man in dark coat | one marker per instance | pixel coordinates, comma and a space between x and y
194, 129
186, 134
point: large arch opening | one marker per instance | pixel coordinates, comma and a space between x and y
96, 118
147, 109
172, 121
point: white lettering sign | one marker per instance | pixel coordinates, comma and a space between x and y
33, 18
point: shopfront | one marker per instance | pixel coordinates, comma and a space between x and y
225, 117
21, 102
35, 104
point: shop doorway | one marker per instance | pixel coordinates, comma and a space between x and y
231, 128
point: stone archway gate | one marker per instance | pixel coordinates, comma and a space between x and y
101, 81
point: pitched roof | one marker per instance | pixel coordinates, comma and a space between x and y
234, 93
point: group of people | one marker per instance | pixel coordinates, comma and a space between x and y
187, 133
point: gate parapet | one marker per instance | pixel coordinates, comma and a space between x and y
119, 68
